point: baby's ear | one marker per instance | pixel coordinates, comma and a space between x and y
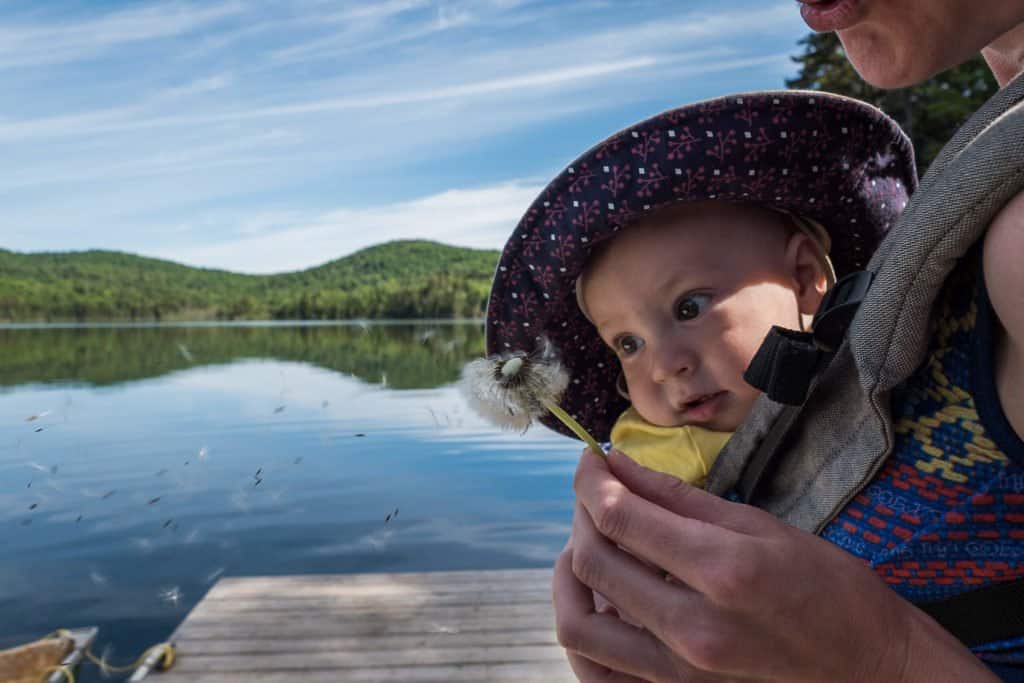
804, 264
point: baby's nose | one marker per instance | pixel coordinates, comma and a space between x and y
671, 360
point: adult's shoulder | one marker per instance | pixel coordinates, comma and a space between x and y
1003, 252
1004, 280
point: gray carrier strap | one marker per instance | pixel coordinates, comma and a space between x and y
843, 432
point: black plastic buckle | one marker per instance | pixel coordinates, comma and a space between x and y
784, 365
838, 307
787, 360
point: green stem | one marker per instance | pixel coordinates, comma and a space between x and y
575, 426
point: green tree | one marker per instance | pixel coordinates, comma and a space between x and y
929, 112
405, 279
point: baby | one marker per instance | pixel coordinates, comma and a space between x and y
684, 298
659, 260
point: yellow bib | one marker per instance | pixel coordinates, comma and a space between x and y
684, 452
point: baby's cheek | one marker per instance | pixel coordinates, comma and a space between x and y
652, 403
745, 396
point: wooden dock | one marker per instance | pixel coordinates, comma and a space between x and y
492, 626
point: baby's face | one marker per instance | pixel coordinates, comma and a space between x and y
685, 299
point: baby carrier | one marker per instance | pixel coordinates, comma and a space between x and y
805, 463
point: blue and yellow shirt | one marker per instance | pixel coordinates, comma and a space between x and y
945, 514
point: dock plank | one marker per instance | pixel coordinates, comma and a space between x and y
493, 626
246, 646
544, 672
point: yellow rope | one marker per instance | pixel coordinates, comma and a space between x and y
165, 663
170, 652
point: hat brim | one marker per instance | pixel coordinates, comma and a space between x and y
836, 160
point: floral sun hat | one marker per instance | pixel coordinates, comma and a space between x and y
837, 161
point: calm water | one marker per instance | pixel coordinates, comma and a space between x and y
138, 465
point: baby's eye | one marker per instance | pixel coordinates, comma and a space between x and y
628, 344
691, 306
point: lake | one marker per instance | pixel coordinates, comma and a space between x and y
139, 464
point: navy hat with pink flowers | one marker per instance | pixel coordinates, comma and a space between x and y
837, 161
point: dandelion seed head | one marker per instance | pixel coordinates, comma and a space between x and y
511, 389
511, 367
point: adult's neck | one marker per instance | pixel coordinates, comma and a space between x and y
1005, 55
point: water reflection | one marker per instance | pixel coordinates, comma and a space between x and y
402, 356
262, 451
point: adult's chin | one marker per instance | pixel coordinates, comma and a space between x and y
890, 51
885, 61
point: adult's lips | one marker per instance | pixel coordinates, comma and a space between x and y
831, 15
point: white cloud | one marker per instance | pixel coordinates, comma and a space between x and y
261, 147
357, 22
480, 217
358, 36
116, 120
32, 45
484, 71
199, 86
211, 144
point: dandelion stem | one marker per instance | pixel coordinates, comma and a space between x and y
575, 426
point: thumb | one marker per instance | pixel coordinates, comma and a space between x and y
684, 499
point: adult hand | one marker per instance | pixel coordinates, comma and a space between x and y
751, 598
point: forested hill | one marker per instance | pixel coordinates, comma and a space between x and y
406, 279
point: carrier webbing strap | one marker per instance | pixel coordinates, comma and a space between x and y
757, 467
788, 361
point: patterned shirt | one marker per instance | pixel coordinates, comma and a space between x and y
945, 514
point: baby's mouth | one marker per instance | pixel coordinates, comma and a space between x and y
704, 408
700, 400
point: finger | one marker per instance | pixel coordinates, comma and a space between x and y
628, 568
678, 618
666, 609
604, 641
686, 500
694, 551
588, 671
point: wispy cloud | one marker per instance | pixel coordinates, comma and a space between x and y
357, 22
241, 151
202, 131
199, 86
117, 120
476, 217
122, 119
33, 45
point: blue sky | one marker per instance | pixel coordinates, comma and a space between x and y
269, 136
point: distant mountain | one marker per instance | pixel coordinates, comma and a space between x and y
404, 279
